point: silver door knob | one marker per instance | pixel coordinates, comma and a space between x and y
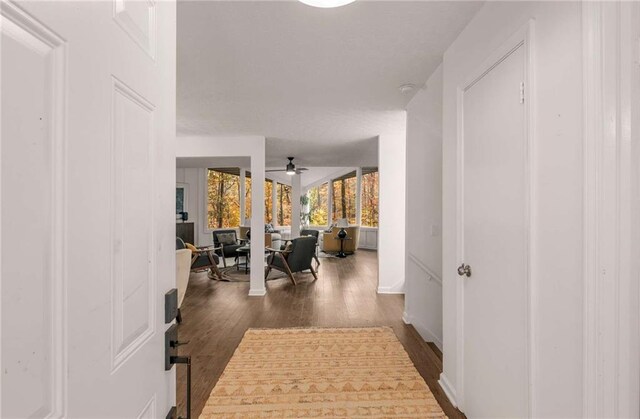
464, 270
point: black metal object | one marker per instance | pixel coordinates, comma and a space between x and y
171, 344
342, 236
187, 361
173, 413
170, 305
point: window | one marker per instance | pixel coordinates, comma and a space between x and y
268, 202
369, 205
247, 195
284, 204
344, 198
267, 198
223, 198
319, 205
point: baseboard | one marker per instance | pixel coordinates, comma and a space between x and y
389, 290
261, 292
428, 335
406, 318
448, 389
397, 288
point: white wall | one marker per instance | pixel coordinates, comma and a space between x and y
249, 146
392, 184
574, 352
423, 288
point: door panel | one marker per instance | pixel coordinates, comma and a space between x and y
88, 165
494, 243
31, 276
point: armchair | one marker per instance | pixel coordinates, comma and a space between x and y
226, 242
316, 235
296, 257
202, 258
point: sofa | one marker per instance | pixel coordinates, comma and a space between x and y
270, 239
332, 244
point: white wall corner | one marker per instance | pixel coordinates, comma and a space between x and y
448, 389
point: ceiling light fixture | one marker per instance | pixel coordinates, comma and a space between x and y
291, 168
326, 4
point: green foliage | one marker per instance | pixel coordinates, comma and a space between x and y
318, 198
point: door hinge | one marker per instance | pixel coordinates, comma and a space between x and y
522, 92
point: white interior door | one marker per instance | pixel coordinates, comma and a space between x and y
87, 178
494, 220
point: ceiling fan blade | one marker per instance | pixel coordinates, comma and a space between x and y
302, 168
275, 170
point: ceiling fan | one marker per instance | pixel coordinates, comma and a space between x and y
290, 169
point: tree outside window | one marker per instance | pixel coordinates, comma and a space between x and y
369, 204
284, 204
267, 198
268, 202
223, 198
319, 205
247, 196
344, 198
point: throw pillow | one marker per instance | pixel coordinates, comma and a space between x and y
191, 247
227, 238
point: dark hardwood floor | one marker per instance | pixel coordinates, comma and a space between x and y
216, 315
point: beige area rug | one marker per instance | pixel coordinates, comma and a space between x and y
311, 373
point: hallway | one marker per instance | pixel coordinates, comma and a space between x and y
217, 314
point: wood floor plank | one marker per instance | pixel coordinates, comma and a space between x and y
216, 315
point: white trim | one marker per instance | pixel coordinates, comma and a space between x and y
397, 288
523, 38
424, 267
253, 292
448, 389
427, 335
56, 46
592, 41
424, 332
609, 211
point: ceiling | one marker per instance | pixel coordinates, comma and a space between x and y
320, 84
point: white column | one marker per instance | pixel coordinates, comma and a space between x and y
274, 203
296, 190
243, 192
359, 196
330, 203
256, 285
